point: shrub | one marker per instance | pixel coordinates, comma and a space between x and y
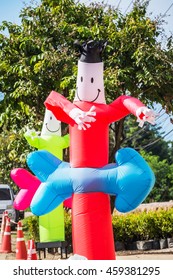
164, 223
31, 227
127, 228
143, 225
68, 227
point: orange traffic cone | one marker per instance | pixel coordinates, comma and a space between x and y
32, 255
6, 241
21, 252
5, 215
3, 224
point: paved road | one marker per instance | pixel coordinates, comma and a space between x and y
166, 254
147, 257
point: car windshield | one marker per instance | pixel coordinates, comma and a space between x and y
5, 194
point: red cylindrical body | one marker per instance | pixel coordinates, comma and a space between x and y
92, 226
91, 215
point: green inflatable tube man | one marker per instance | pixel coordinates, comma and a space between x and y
51, 225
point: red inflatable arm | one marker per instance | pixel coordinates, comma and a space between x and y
123, 106
85, 147
60, 107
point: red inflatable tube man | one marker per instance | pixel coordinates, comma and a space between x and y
89, 118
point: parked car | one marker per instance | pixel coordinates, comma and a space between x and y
6, 203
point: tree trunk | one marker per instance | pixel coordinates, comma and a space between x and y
118, 139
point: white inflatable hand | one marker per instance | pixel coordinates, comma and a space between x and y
83, 118
31, 132
91, 112
89, 115
83, 126
149, 116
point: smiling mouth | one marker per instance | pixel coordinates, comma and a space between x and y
53, 131
91, 100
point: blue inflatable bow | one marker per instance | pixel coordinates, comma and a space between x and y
130, 180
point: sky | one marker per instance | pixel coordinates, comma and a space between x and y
10, 10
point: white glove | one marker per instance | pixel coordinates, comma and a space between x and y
83, 118
149, 116
31, 132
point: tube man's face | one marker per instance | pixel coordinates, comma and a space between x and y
90, 85
51, 126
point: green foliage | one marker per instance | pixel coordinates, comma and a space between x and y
68, 227
127, 228
136, 226
148, 138
13, 154
39, 56
157, 152
31, 227
163, 170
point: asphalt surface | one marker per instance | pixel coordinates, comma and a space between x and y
165, 254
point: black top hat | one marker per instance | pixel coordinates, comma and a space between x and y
91, 51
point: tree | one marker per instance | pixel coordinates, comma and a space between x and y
39, 56
149, 143
163, 189
148, 138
